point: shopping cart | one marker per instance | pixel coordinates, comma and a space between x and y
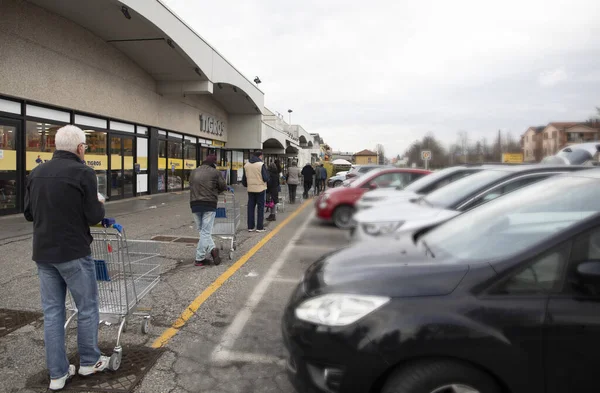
126, 271
284, 197
227, 220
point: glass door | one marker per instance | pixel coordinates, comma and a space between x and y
9, 176
121, 167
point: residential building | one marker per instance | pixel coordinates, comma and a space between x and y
531, 142
557, 135
364, 157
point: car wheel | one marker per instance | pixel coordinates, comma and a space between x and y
342, 216
440, 377
337, 183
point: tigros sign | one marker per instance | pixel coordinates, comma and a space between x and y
211, 125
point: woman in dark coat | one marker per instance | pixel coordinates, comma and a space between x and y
273, 186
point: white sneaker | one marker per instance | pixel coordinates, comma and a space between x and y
59, 383
251, 230
261, 230
100, 365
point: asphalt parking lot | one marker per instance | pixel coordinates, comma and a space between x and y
213, 329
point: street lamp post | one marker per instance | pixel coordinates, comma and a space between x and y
290, 112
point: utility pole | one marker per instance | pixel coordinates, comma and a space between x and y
500, 144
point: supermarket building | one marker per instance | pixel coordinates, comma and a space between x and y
152, 96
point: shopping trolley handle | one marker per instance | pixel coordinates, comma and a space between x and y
111, 223
230, 189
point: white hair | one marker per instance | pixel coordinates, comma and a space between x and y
68, 138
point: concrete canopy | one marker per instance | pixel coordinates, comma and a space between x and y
158, 41
273, 146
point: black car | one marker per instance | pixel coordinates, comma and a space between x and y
503, 298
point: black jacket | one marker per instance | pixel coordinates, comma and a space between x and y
273, 176
61, 198
308, 172
206, 183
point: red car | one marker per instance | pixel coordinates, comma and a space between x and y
337, 204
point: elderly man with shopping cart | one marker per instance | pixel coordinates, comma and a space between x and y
62, 200
206, 183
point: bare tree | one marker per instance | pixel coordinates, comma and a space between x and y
463, 144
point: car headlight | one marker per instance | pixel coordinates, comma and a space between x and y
338, 309
381, 228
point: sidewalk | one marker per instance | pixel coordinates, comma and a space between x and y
15, 226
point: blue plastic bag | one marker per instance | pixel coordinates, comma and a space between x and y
221, 213
101, 270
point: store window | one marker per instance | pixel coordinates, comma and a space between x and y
162, 165
8, 168
175, 162
189, 159
39, 143
97, 157
237, 165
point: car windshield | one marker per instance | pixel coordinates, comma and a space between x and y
517, 221
428, 180
457, 191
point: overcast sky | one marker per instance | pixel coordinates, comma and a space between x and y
388, 71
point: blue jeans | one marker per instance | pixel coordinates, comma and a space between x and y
79, 276
256, 200
204, 223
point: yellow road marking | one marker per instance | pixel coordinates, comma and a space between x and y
212, 288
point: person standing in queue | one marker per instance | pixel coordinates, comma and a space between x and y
292, 180
323, 177
206, 183
62, 201
273, 187
255, 178
307, 173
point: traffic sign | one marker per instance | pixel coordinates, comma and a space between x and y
426, 156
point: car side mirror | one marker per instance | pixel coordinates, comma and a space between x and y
589, 272
372, 186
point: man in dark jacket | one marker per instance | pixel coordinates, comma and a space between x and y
307, 173
206, 183
62, 200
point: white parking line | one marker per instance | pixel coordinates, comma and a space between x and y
226, 356
287, 280
223, 351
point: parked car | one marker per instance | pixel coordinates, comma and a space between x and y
392, 219
357, 170
503, 298
578, 154
337, 204
337, 179
423, 186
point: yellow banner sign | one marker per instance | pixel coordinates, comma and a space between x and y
190, 165
512, 158
8, 160
143, 161
218, 143
98, 162
35, 158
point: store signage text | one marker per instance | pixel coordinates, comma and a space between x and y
211, 125
94, 163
